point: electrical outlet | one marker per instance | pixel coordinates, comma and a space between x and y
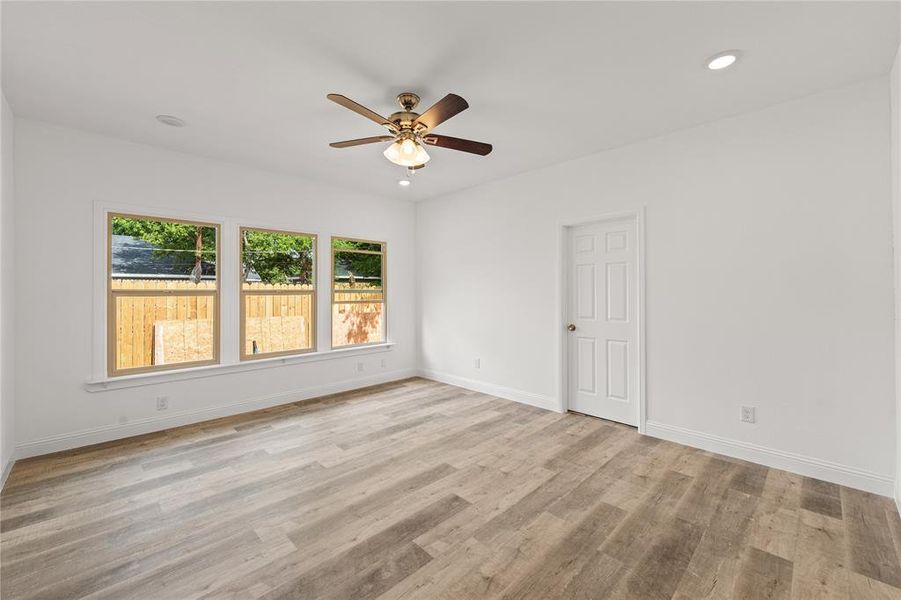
162, 402
384, 364
359, 367
477, 363
748, 414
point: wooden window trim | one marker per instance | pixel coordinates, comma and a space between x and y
242, 293
111, 324
383, 290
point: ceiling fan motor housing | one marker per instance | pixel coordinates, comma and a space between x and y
407, 100
403, 119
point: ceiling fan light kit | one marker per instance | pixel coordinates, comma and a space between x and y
407, 152
411, 131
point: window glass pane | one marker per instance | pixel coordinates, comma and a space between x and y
272, 258
164, 330
277, 323
357, 323
354, 270
153, 254
339, 244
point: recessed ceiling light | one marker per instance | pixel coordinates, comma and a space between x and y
404, 182
723, 60
170, 121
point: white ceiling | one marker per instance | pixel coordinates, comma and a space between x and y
546, 82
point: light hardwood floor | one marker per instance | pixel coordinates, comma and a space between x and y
421, 490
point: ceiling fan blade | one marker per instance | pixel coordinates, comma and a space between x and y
441, 111
362, 110
361, 141
452, 143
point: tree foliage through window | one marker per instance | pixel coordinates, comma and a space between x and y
277, 257
187, 246
274, 257
355, 266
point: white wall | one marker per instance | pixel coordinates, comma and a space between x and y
7, 287
61, 173
769, 281
895, 85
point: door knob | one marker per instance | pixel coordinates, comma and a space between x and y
571, 327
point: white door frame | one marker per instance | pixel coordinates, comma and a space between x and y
563, 297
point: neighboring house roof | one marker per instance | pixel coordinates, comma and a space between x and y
134, 257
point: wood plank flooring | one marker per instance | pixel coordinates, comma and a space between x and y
416, 489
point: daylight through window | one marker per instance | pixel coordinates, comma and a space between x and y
163, 302
358, 292
278, 293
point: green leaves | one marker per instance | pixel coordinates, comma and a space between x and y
179, 241
356, 263
277, 257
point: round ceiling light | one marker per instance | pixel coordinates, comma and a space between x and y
723, 60
170, 121
404, 182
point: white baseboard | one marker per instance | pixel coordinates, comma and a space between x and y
898, 496
545, 402
770, 457
7, 468
106, 433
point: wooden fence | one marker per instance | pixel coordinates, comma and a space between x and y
168, 329
163, 329
277, 322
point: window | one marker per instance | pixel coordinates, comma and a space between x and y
278, 293
358, 292
163, 300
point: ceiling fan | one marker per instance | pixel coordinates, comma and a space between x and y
410, 130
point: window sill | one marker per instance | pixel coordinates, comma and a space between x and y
127, 381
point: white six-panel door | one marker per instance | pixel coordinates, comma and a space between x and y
603, 320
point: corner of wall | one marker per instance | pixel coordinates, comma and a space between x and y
7, 268
417, 290
895, 94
